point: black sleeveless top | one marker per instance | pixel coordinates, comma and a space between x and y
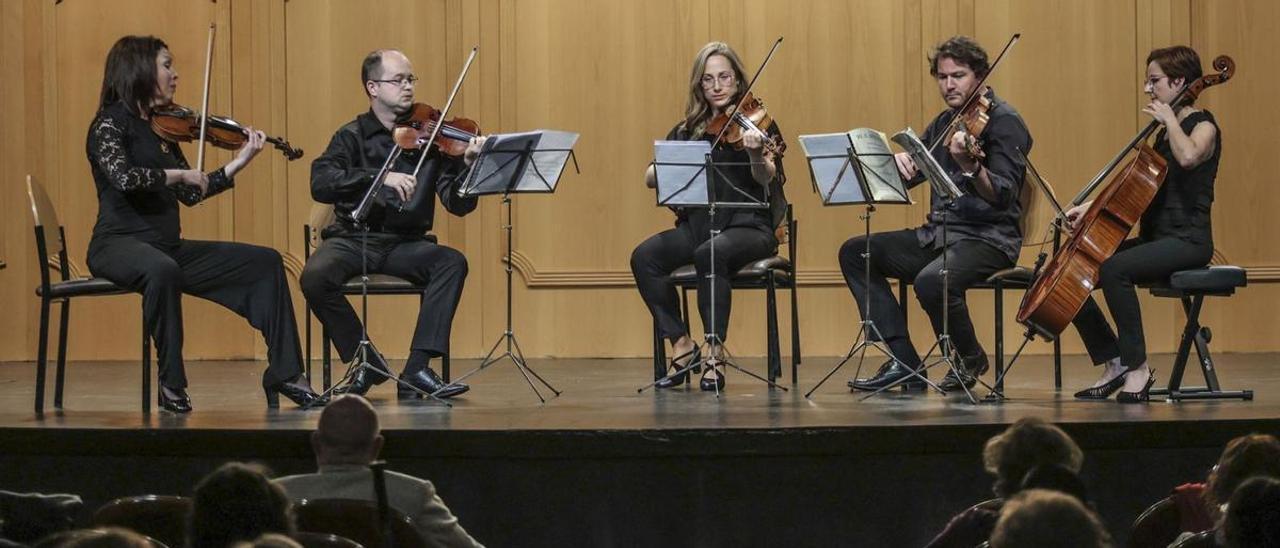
1180, 208
735, 168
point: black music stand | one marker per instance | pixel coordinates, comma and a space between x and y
682, 177
843, 176
360, 362
943, 186
529, 162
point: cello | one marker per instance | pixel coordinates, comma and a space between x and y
1061, 288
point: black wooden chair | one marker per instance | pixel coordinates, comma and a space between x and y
357, 520
51, 254
163, 518
379, 284
769, 274
1191, 287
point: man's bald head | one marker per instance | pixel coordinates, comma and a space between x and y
348, 432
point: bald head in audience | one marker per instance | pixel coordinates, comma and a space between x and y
348, 432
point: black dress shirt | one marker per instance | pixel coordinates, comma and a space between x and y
973, 217
127, 160
343, 173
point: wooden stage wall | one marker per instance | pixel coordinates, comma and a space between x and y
616, 71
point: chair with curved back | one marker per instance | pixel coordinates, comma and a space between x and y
160, 517
1158, 525
51, 254
770, 274
324, 540
356, 520
379, 284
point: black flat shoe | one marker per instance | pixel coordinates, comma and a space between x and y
297, 390
428, 381
1102, 391
175, 400
365, 379
1138, 397
715, 383
970, 369
680, 362
892, 372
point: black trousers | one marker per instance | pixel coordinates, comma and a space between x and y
898, 255
248, 279
655, 258
421, 261
1137, 261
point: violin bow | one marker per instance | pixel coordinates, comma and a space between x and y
447, 105
204, 101
977, 91
750, 85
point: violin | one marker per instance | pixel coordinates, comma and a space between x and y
176, 123
972, 117
749, 115
414, 128
973, 121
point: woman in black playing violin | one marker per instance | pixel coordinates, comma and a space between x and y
716, 84
137, 241
1175, 233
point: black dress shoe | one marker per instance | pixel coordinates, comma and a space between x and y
1104, 390
365, 379
894, 372
970, 369
714, 383
428, 381
297, 390
678, 363
1138, 397
175, 400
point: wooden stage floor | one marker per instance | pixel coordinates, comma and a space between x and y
603, 466
599, 394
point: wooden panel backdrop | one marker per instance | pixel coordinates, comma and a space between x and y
616, 72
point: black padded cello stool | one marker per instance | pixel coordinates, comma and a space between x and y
1191, 287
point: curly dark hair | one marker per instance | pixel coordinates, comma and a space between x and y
237, 502
1026, 444
1243, 458
963, 50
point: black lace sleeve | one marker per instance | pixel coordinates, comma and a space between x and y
190, 195
107, 151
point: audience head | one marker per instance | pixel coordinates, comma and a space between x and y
1253, 515
1056, 477
1243, 458
237, 502
1028, 443
1039, 518
347, 433
108, 537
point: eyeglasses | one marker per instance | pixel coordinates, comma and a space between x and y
403, 81
709, 81
1151, 82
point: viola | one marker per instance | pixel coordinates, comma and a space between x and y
176, 123
749, 115
414, 128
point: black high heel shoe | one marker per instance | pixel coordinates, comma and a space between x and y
716, 382
1138, 397
297, 390
175, 400
1104, 390
694, 356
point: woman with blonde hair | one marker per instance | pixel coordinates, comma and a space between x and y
742, 235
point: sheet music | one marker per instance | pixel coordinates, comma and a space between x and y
879, 169
942, 184
680, 172
495, 168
